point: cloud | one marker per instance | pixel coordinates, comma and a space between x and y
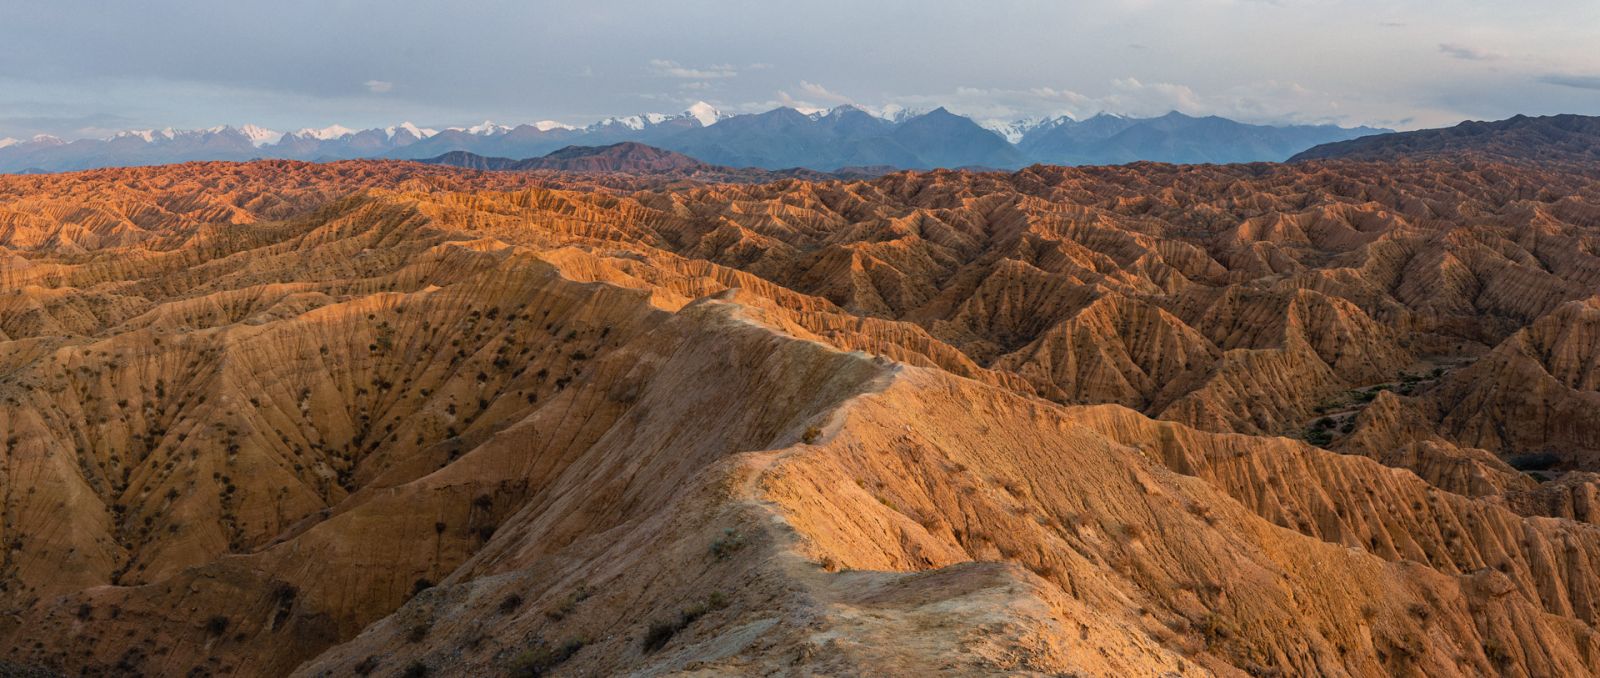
1467, 53
808, 97
1575, 81
379, 86
1264, 102
1129, 95
96, 125
823, 94
673, 69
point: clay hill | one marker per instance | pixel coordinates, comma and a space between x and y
385, 418
634, 160
1547, 139
628, 157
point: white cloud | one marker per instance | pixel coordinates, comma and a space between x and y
814, 91
1467, 53
673, 69
1267, 101
378, 86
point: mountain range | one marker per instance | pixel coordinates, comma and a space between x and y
845, 136
1549, 138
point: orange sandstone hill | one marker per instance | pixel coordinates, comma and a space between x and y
387, 418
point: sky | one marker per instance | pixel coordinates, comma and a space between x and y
80, 68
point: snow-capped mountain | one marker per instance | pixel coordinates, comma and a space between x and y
408, 128
324, 134
823, 139
483, 129
701, 112
260, 136
894, 112
707, 114
1015, 130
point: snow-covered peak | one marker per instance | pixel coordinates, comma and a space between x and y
148, 135
8, 141
485, 128
547, 125
633, 122
418, 132
894, 112
628, 121
1014, 130
707, 114
325, 134
260, 136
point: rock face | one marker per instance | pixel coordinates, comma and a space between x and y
381, 418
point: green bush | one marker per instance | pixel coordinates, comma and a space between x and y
661, 633
541, 660
730, 542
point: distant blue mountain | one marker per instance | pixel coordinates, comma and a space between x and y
778, 139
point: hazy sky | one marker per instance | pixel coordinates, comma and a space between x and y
79, 68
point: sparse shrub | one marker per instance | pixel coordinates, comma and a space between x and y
217, 625
1320, 437
416, 669
540, 661
418, 632
1126, 532
366, 666
811, 435
1214, 628
570, 604
661, 633
510, 603
421, 585
724, 547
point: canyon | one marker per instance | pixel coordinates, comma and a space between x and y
377, 417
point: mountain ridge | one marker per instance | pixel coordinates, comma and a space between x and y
783, 137
1565, 138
